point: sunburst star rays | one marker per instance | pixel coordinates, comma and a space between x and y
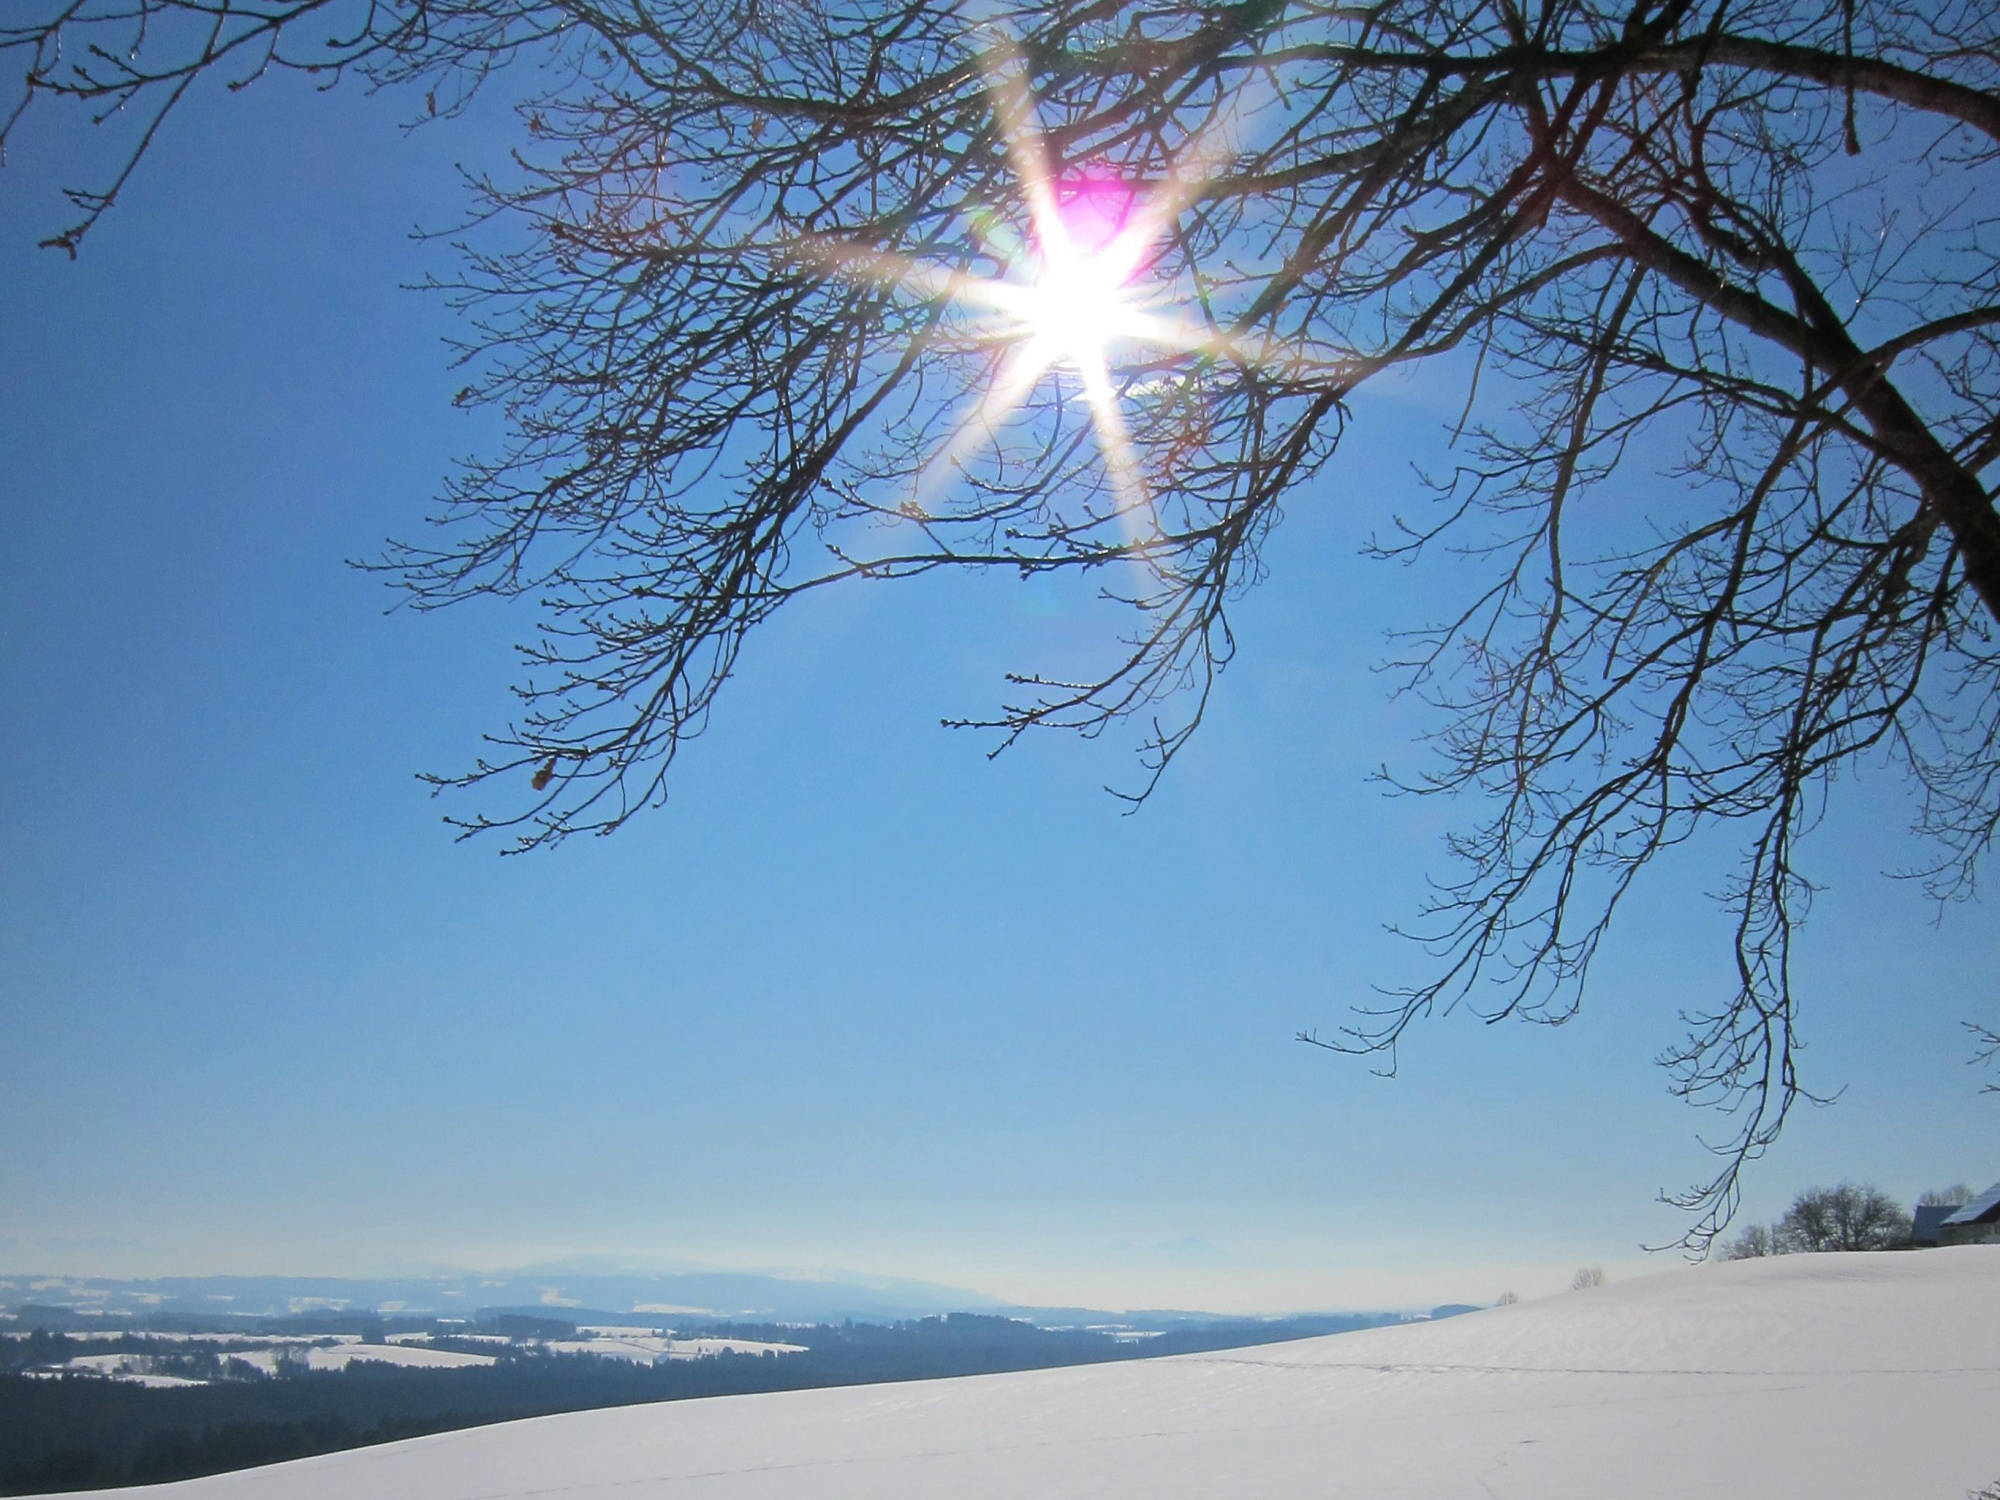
1074, 292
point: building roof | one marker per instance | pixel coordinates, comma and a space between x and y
1926, 1218
1979, 1210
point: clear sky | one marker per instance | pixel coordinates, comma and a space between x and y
858, 998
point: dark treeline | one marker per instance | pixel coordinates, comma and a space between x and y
81, 1432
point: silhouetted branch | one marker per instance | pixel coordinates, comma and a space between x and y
733, 321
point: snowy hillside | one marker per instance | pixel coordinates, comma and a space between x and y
1824, 1377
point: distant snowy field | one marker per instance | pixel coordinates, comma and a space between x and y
340, 1356
1831, 1377
641, 1346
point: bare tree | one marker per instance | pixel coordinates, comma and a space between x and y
776, 305
1754, 1243
1986, 1054
1842, 1218
1587, 1277
1952, 1197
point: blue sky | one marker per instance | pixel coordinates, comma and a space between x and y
858, 997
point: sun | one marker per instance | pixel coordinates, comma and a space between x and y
1092, 242
1081, 285
1074, 307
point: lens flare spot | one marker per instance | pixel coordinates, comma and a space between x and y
1091, 245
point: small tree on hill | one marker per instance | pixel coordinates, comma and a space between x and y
1753, 1243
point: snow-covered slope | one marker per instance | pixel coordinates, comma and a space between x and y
1821, 1377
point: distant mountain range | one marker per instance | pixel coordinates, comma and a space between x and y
579, 1293
560, 1289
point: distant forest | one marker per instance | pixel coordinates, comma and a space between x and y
77, 1431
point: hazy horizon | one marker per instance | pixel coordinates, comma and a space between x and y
1112, 1291
563, 1284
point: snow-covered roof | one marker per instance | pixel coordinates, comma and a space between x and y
1980, 1209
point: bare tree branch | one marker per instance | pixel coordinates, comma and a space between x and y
1721, 280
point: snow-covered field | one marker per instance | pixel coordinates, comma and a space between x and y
1832, 1377
348, 1352
463, 1338
123, 1367
703, 1348
641, 1346
86, 1335
643, 1349
340, 1356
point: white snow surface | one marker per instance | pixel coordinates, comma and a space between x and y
340, 1356
647, 1349
701, 1348
643, 1350
130, 1368
101, 1364
1836, 1377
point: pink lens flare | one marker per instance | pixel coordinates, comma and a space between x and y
1101, 214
